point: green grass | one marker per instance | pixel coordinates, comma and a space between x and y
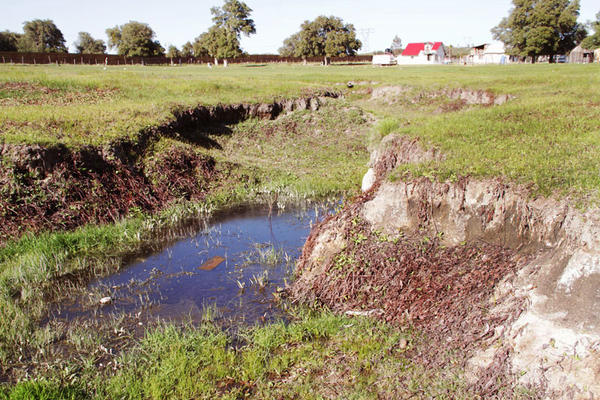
547, 136
43, 390
319, 356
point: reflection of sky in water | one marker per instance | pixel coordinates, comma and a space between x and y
173, 282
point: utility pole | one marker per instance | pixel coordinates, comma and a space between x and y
365, 35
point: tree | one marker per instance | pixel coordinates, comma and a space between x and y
593, 41
289, 46
234, 16
396, 45
458, 52
173, 52
326, 37
540, 28
86, 44
187, 50
219, 43
9, 41
222, 40
134, 39
41, 36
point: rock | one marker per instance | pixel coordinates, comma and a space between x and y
368, 313
402, 343
368, 180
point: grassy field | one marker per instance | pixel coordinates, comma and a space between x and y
546, 137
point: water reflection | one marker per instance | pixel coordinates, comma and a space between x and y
236, 263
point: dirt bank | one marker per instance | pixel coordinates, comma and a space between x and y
55, 187
461, 97
507, 280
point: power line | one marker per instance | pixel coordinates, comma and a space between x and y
365, 36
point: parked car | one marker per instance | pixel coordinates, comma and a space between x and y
561, 59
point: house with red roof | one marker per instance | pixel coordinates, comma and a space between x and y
423, 53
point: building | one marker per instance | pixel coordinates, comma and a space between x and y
489, 53
384, 59
580, 55
422, 54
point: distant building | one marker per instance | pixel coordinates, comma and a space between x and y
384, 59
580, 55
489, 53
597, 55
423, 53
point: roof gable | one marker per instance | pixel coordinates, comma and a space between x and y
413, 49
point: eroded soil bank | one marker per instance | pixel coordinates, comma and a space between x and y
56, 188
503, 283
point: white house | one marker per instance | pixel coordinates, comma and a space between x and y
489, 53
423, 53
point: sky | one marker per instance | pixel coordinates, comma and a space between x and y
458, 22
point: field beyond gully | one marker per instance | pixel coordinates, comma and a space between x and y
547, 135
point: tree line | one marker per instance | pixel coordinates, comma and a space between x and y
326, 36
533, 28
545, 28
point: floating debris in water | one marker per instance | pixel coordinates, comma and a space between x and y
105, 300
212, 263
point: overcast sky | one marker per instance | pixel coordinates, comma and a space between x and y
457, 22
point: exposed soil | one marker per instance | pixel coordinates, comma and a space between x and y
507, 281
14, 94
56, 188
447, 100
412, 280
83, 189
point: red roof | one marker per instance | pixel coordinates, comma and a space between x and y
413, 49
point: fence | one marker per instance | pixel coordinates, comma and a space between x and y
111, 59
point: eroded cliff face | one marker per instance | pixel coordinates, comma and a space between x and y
539, 276
55, 187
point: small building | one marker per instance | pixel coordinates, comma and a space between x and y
580, 55
384, 59
423, 53
597, 55
489, 53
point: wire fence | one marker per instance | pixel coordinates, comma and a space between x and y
111, 59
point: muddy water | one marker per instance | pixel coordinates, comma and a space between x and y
237, 264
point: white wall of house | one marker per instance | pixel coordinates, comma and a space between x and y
435, 57
492, 53
384, 59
